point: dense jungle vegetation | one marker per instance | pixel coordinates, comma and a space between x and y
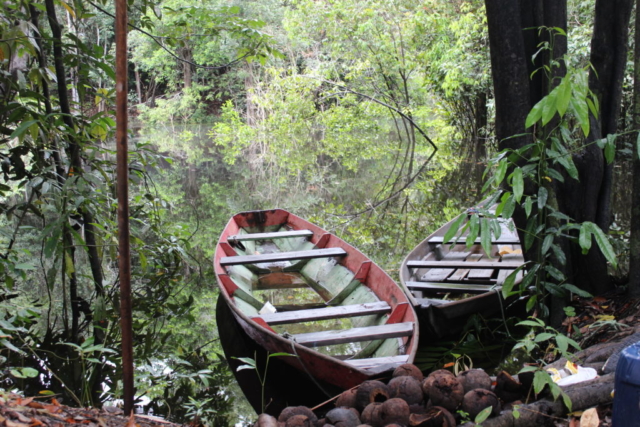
374, 119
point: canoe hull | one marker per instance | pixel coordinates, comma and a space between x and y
327, 373
440, 317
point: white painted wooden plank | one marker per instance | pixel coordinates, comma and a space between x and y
282, 256
337, 312
274, 235
369, 333
376, 361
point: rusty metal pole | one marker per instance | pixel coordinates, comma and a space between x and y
122, 188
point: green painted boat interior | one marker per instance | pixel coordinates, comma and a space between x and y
317, 282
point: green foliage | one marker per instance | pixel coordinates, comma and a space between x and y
252, 364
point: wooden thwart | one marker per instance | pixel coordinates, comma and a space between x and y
377, 361
299, 316
274, 235
462, 264
369, 333
282, 256
507, 240
452, 287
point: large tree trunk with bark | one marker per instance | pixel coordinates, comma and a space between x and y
634, 246
512, 47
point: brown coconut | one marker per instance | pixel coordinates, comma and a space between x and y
343, 417
426, 384
369, 392
347, 399
394, 410
446, 391
299, 421
436, 416
473, 379
291, 411
475, 401
371, 414
407, 388
266, 420
408, 369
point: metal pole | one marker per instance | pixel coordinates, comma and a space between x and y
122, 188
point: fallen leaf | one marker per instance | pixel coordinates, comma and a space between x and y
590, 418
10, 423
131, 422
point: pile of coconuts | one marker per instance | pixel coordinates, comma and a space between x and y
409, 400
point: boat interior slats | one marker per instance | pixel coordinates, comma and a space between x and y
481, 274
377, 361
269, 236
451, 287
502, 240
316, 339
463, 264
282, 256
299, 316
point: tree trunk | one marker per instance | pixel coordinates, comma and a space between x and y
515, 94
634, 245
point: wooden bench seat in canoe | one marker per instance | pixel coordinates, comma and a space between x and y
368, 333
451, 287
299, 316
282, 256
377, 361
507, 240
462, 264
268, 236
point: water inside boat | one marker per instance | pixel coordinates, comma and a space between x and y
292, 285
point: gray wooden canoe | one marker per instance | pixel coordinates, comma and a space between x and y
450, 282
294, 288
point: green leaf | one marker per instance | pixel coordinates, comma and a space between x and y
501, 171
474, 230
543, 194
531, 302
576, 290
536, 323
509, 206
242, 367
518, 184
563, 343
453, 230
549, 108
22, 128
483, 415
540, 379
546, 243
564, 96
485, 236
282, 354
543, 337
581, 111
554, 174
528, 206
584, 239
638, 145
604, 245
610, 149
555, 273
535, 114
507, 286
10, 346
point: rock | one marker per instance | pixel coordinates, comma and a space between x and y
436, 416
475, 401
343, 417
394, 410
407, 388
408, 369
369, 392
473, 379
446, 391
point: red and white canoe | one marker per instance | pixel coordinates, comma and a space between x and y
295, 288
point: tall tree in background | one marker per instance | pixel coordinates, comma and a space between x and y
514, 41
